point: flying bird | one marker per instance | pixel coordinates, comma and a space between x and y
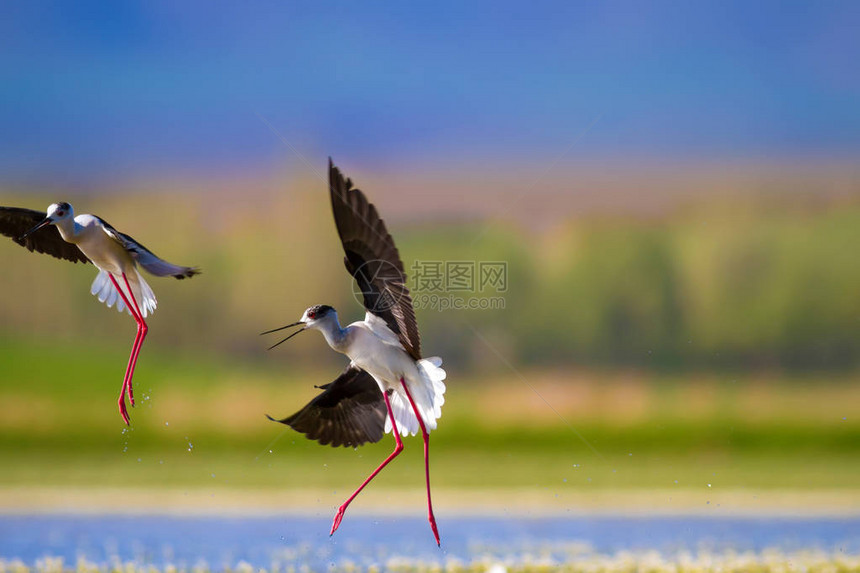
387, 386
89, 239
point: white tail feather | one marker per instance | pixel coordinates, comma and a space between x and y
104, 289
428, 394
146, 299
407, 423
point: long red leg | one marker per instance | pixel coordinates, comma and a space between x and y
426, 436
121, 400
129, 370
142, 329
134, 349
397, 449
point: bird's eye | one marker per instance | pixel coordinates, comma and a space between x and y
60, 213
312, 315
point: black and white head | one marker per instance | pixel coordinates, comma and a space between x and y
56, 213
318, 316
60, 211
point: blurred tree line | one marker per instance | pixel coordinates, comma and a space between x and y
763, 283
727, 285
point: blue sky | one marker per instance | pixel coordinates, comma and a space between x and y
98, 91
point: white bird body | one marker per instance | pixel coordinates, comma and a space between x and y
88, 233
100, 246
373, 347
388, 386
87, 238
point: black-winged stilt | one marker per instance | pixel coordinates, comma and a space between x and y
87, 238
386, 374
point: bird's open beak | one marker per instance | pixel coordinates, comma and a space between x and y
282, 328
44, 223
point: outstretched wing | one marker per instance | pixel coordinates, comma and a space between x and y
15, 221
349, 412
146, 258
372, 259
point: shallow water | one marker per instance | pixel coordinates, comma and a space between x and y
279, 543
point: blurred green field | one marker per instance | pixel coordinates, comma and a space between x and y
711, 349
199, 424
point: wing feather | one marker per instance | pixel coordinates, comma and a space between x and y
373, 260
146, 258
15, 221
350, 411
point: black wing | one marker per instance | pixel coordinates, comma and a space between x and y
146, 258
15, 221
372, 259
349, 412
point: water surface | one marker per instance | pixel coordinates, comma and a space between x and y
278, 543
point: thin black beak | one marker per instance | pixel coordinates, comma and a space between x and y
45, 222
282, 328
